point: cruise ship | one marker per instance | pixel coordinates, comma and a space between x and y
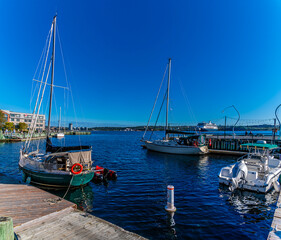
207, 126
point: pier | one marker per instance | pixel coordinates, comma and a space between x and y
38, 214
221, 144
275, 231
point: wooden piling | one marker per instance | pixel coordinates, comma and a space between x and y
6, 228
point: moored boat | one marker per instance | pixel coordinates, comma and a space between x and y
257, 171
183, 143
54, 166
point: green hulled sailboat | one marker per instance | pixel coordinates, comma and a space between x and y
54, 166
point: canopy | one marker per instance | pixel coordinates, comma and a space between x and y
80, 157
259, 145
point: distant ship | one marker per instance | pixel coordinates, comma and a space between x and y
207, 126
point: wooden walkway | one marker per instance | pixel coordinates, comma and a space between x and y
39, 215
25, 203
275, 231
75, 225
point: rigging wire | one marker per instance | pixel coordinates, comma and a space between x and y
68, 84
36, 108
155, 102
41, 63
159, 114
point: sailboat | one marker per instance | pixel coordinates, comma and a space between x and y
176, 142
54, 166
59, 134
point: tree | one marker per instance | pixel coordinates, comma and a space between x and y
9, 126
23, 126
2, 119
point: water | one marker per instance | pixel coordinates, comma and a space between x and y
137, 199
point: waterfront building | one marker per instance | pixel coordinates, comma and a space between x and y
17, 117
70, 126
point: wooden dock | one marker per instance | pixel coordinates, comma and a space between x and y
275, 231
38, 214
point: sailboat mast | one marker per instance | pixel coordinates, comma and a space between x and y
168, 93
60, 119
52, 78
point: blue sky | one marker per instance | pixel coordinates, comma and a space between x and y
223, 53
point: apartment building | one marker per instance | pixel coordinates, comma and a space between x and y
17, 117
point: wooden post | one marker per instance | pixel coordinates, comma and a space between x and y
6, 228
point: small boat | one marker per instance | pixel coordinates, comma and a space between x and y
257, 171
183, 143
54, 166
59, 134
203, 126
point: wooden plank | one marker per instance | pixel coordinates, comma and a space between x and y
25, 203
72, 224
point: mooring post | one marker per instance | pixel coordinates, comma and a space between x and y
6, 228
170, 199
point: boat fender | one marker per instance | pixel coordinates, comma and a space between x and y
276, 186
210, 142
76, 165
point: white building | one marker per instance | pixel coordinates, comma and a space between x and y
17, 117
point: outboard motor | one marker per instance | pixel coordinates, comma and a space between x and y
239, 173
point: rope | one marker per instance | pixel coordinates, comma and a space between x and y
68, 187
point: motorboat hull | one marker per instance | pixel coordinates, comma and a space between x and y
173, 149
256, 185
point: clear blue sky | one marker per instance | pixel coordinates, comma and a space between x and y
223, 53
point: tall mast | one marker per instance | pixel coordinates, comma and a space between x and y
52, 79
60, 119
168, 92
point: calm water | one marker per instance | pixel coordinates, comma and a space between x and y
137, 199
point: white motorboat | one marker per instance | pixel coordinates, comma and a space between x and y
186, 144
257, 171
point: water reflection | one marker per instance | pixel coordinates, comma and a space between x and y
252, 206
171, 223
83, 197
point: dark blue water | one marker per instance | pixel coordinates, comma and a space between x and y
137, 199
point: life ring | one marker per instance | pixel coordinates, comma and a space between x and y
210, 142
74, 165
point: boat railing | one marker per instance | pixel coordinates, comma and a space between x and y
44, 165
